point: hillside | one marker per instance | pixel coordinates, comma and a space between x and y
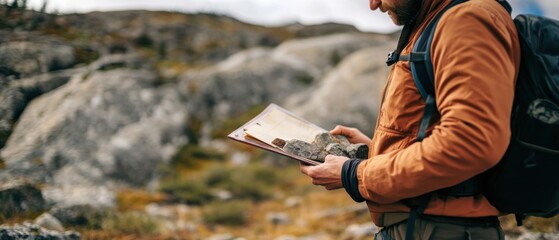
113, 125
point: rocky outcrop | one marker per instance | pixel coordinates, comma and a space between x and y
15, 96
318, 55
101, 127
350, 94
246, 79
261, 75
25, 59
32, 231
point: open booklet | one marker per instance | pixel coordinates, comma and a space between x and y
276, 122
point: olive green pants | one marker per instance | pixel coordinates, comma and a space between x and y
435, 230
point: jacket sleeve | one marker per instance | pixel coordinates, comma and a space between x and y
475, 56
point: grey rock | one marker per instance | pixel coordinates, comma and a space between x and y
26, 59
349, 94
49, 222
99, 129
19, 197
278, 218
79, 215
299, 148
259, 76
341, 139
319, 54
15, 97
32, 231
359, 151
97, 197
335, 149
243, 81
323, 139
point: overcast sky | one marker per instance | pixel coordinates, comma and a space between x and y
276, 12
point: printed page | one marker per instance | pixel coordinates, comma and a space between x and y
280, 124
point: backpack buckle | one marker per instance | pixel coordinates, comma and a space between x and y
393, 57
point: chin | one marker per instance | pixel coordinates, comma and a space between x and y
395, 20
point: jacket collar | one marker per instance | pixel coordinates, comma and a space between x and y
428, 8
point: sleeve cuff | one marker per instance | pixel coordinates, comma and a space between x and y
349, 179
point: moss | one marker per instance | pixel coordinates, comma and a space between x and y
335, 58
189, 155
234, 213
2, 164
304, 78
190, 191
131, 223
85, 55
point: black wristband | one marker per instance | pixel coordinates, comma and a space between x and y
349, 179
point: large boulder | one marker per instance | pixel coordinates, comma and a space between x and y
259, 76
102, 128
15, 96
318, 55
244, 80
349, 94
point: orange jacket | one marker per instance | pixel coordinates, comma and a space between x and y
475, 54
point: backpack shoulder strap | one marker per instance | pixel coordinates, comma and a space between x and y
420, 57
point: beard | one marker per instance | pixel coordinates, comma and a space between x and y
406, 11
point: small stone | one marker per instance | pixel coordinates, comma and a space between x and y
335, 149
318, 154
278, 218
321, 140
299, 148
341, 139
279, 142
359, 151
49, 222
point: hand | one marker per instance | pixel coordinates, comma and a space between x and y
327, 174
352, 134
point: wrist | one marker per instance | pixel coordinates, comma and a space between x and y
349, 179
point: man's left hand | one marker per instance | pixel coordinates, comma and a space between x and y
327, 174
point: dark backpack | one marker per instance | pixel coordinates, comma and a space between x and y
526, 180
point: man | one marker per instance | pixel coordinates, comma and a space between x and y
475, 54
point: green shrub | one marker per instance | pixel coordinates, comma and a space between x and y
190, 191
131, 223
144, 40
218, 176
190, 155
233, 213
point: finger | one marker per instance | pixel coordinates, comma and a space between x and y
305, 169
337, 130
341, 130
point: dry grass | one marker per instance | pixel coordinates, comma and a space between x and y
131, 199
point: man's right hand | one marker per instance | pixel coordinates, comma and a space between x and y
352, 134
